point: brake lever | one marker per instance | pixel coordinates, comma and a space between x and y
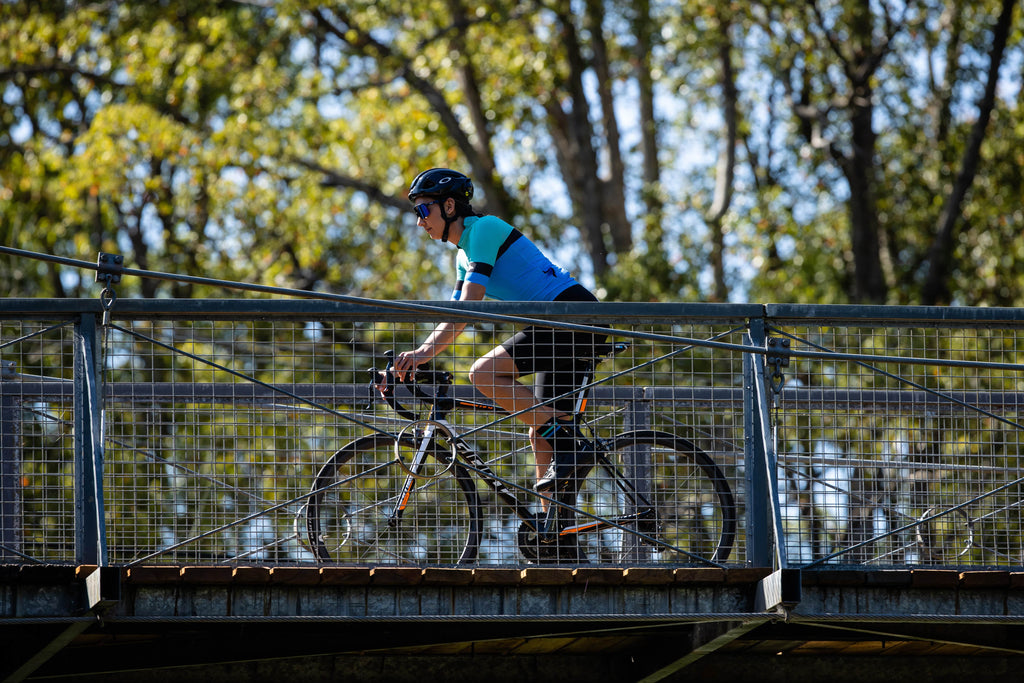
374, 372
385, 376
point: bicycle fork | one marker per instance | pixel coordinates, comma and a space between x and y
425, 448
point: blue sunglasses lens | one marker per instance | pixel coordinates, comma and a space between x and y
423, 210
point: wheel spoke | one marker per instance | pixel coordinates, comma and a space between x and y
379, 520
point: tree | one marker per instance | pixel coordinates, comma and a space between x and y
878, 92
506, 100
936, 287
671, 150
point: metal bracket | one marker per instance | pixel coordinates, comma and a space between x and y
779, 590
109, 268
778, 358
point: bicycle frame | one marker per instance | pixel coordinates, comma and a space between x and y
551, 526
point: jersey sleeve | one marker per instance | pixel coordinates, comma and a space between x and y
461, 265
486, 242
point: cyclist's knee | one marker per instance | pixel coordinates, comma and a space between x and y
481, 371
489, 368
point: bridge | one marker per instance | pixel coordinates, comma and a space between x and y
159, 459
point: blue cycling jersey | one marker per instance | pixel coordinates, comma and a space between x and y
494, 254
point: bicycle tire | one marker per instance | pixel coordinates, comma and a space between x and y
694, 508
349, 514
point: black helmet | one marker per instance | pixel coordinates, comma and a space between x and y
441, 182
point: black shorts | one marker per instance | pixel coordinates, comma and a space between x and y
559, 359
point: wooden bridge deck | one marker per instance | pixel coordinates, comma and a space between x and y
398, 623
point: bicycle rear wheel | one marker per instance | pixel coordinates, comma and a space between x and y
692, 512
353, 513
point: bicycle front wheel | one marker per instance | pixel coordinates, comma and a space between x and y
667, 499
361, 511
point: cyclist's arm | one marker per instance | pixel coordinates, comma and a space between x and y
440, 339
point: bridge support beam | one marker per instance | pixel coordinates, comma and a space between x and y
706, 638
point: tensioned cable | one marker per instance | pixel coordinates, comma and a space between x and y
916, 385
651, 618
30, 335
579, 511
890, 636
681, 618
501, 317
260, 513
435, 309
373, 470
362, 423
160, 460
383, 432
596, 382
248, 378
939, 394
924, 520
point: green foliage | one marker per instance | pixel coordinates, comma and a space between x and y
273, 143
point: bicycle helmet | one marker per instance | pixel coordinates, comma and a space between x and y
443, 183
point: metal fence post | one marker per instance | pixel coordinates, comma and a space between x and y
90, 525
766, 547
759, 504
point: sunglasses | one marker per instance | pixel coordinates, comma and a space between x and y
423, 210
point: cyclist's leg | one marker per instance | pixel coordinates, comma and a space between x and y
551, 355
561, 376
496, 375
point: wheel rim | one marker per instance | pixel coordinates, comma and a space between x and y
351, 517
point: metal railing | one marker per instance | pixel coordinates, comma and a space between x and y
168, 431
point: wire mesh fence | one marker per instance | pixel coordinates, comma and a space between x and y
245, 434
902, 463
38, 464
217, 432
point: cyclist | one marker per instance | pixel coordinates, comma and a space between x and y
494, 259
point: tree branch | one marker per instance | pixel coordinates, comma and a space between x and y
936, 288
332, 178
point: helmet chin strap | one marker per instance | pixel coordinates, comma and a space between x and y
447, 224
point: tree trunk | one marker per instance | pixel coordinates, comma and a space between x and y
940, 255
613, 190
726, 171
868, 283
861, 60
574, 137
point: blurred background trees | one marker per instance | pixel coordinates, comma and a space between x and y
832, 152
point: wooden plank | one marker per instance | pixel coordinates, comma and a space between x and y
985, 579
649, 576
345, 576
207, 575
251, 575
497, 576
396, 576
158, 574
934, 578
447, 576
547, 576
699, 575
598, 576
295, 576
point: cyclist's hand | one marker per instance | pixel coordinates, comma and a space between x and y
405, 364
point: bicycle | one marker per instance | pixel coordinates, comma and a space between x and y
412, 498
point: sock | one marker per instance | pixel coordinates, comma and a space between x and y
561, 434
